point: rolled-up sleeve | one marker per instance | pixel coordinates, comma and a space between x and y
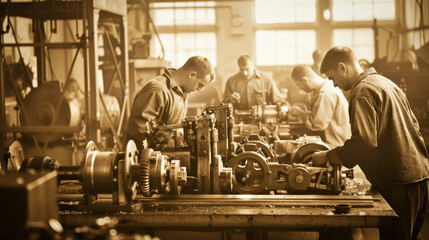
365, 127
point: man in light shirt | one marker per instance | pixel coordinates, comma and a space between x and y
329, 107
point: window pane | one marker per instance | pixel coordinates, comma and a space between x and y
360, 40
184, 13
384, 10
160, 4
363, 10
285, 11
342, 12
285, 39
284, 47
181, 46
164, 17
363, 36
266, 55
343, 36
302, 13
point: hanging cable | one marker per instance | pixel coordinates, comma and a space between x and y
6, 15
77, 20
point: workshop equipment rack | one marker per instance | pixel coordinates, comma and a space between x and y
93, 16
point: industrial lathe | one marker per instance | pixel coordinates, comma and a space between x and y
195, 164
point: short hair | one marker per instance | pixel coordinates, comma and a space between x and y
243, 59
71, 82
317, 54
201, 65
336, 55
300, 71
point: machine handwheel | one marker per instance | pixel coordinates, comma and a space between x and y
131, 154
251, 173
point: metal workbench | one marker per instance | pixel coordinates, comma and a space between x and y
249, 213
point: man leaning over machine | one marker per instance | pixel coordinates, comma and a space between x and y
328, 106
386, 141
164, 98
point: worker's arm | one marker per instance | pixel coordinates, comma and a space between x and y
274, 95
365, 125
300, 113
147, 106
230, 96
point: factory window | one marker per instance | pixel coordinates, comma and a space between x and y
181, 46
285, 11
361, 40
184, 13
363, 10
284, 47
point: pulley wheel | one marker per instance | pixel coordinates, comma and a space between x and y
251, 173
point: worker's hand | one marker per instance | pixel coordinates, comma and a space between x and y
235, 97
300, 113
320, 158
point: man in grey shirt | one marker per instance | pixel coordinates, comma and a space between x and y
250, 86
386, 141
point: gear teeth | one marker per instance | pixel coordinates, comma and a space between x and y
143, 181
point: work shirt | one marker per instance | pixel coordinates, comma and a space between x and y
260, 89
160, 100
386, 142
329, 114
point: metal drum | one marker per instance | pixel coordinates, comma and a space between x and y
41, 104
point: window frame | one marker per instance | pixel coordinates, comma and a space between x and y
179, 29
287, 26
325, 28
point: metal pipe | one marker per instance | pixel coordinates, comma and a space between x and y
68, 173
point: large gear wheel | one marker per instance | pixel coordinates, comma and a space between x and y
251, 173
143, 181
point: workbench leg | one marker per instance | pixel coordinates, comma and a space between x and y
335, 234
257, 235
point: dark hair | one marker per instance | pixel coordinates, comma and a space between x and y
336, 55
201, 65
299, 71
242, 60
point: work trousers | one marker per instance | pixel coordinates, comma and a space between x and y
410, 202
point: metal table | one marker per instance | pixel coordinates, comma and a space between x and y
249, 212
